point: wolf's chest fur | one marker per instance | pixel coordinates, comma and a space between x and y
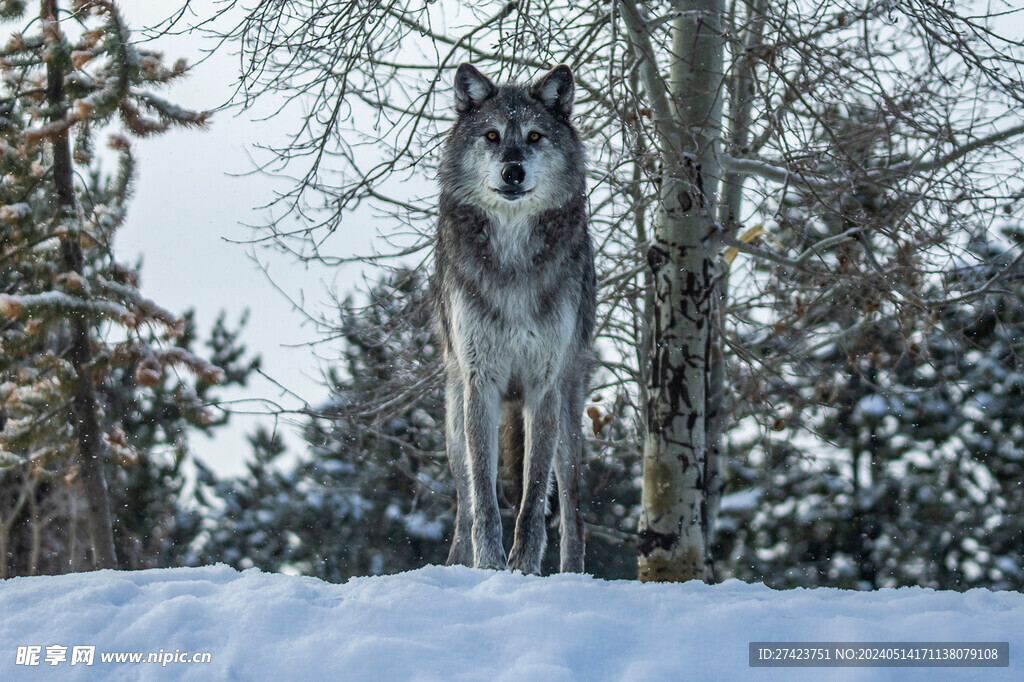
514, 320
509, 238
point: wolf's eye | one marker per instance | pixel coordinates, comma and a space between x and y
492, 136
534, 137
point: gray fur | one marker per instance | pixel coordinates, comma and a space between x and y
514, 295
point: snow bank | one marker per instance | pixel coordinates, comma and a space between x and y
458, 623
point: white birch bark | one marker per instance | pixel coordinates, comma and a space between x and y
687, 110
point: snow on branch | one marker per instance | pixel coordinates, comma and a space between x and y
172, 113
12, 213
144, 308
118, 74
51, 130
150, 362
131, 310
54, 303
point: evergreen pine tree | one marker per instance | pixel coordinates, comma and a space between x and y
156, 518
62, 292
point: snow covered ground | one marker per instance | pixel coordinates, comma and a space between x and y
457, 623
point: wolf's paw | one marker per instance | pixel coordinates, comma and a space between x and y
461, 553
518, 562
493, 560
494, 566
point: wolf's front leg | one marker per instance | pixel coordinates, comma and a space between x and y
481, 417
541, 426
455, 444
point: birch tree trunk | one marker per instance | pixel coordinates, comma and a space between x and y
687, 110
84, 419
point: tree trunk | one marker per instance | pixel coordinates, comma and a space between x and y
673, 522
83, 409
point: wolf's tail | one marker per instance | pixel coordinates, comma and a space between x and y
512, 452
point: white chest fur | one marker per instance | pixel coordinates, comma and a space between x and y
509, 340
509, 237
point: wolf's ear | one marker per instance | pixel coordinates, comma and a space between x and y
472, 88
555, 89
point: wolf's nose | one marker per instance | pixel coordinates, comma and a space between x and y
513, 173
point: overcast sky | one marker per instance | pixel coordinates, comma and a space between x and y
187, 214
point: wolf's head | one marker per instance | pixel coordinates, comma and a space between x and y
513, 149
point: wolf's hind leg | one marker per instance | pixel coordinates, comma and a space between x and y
455, 443
568, 469
541, 433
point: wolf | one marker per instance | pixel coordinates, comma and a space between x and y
513, 290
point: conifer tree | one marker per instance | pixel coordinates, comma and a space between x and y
62, 292
156, 516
